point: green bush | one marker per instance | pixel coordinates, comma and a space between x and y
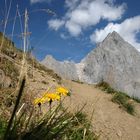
129, 108
119, 98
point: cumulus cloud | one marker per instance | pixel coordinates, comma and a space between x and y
55, 24
128, 29
83, 14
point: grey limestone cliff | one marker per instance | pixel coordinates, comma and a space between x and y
114, 61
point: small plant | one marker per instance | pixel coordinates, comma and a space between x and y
105, 87
122, 100
119, 98
3, 126
77, 81
130, 108
80, 129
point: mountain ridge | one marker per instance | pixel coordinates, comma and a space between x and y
114, 61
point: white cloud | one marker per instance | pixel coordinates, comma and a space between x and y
83, 14
128, 29
73, 28
39, 1
55, 24
71, 3
63, 36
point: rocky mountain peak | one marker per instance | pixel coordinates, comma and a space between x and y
114, 61
113, 40
114, 35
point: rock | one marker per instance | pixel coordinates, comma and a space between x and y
5, 81
114, 61
119, 133
2, 76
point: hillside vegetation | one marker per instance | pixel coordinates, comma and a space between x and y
20, 118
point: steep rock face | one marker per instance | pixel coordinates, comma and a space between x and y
114, 61
65, 69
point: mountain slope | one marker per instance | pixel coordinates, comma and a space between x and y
10, 60
114, 61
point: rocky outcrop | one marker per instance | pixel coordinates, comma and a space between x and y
114, 61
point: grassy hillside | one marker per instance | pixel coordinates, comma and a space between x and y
30, 121
38, 76
9, 48
11, 58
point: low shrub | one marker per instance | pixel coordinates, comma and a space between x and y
105, 87
129, 108
123, 101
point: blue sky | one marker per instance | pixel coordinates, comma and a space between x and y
77, 26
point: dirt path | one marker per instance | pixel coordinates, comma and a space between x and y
109, 121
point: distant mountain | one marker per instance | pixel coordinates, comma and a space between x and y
114, 61
65, 69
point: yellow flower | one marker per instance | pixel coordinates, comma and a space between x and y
45, 95
37, 101
40, 100
43, 100
62, 91
52, 96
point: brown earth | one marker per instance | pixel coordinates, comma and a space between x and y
109, 120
